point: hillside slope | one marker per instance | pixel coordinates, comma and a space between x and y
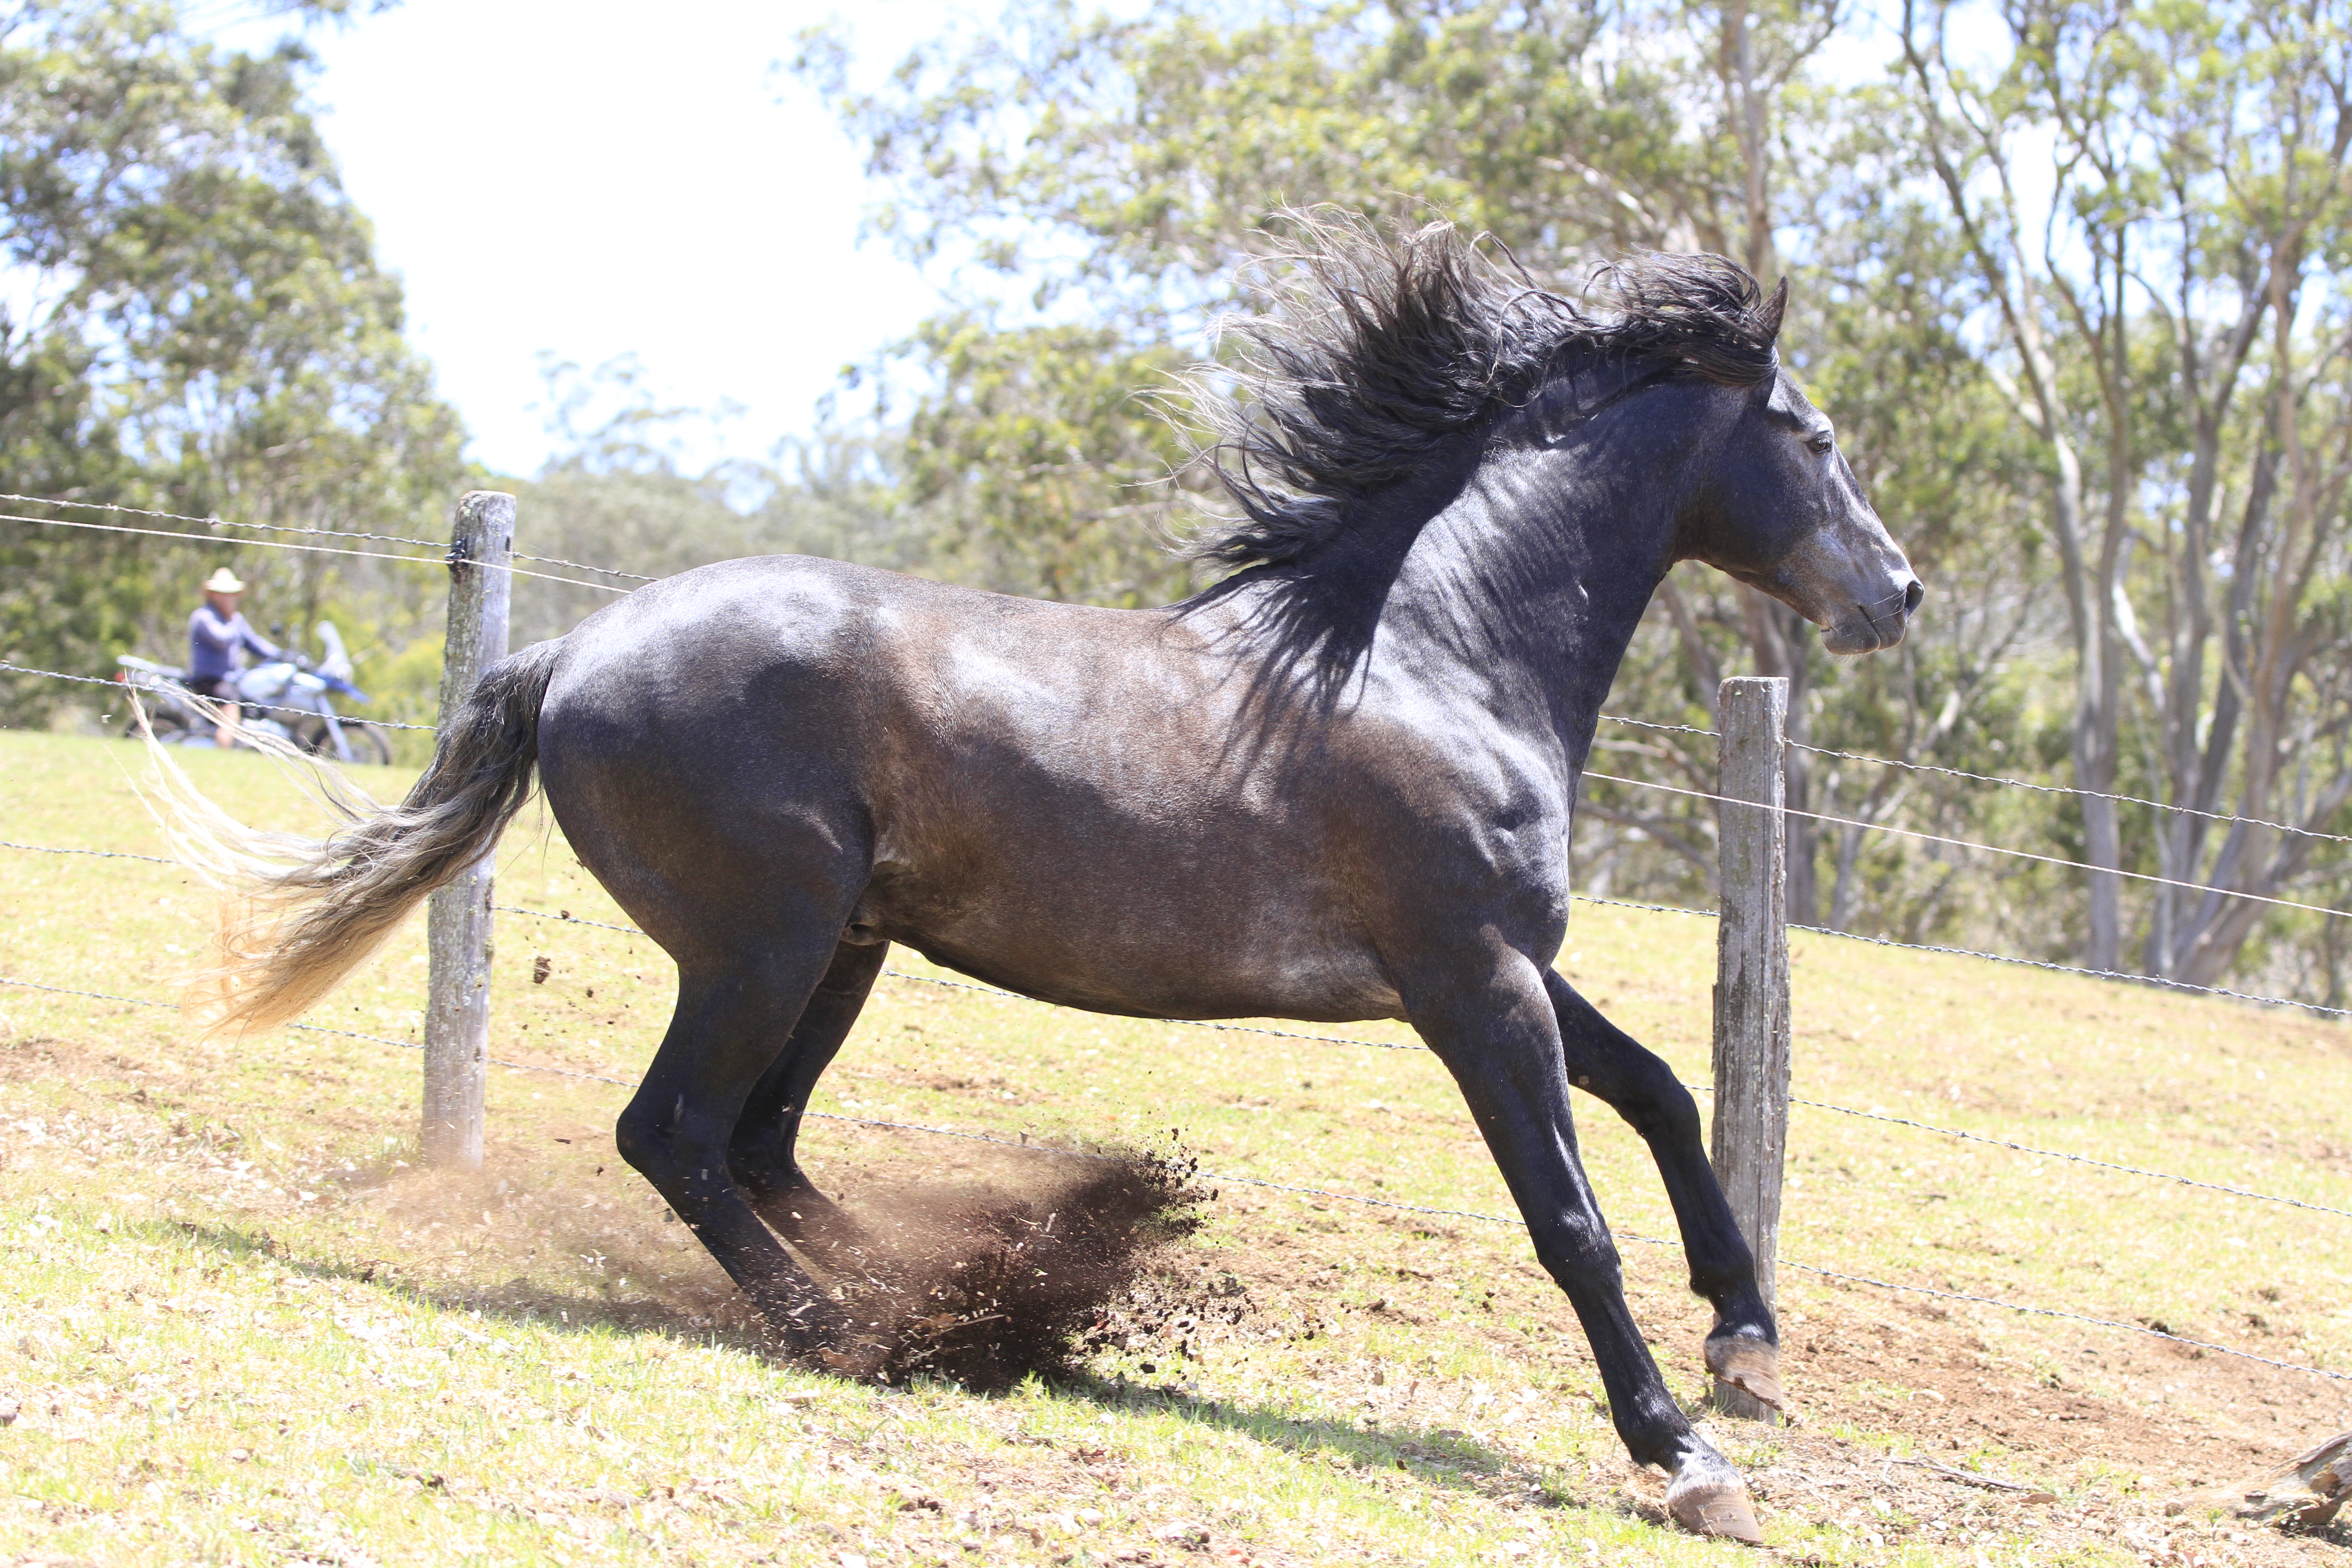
243, 1327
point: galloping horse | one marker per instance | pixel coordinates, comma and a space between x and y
1336, 786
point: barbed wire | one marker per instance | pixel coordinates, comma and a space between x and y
2154, 982
1695, 1087
1515, 1222
1970, 843
213, 522
2070, 1317
1999, 779
221, 521
566, 918
441, 545
585, 566
2116, 1323
120, 685
2050, 1154
175, 1007
209, 522
2073, 789
98, 854
1650, 724
314, 549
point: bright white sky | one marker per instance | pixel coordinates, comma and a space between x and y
580, 180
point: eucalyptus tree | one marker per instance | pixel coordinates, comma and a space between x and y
2172, 333
1121, 174
196, 323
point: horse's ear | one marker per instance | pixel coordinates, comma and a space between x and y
1774, 309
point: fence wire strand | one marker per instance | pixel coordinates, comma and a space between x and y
568, 918
1998, 779
1969, 844
2155, 982
96, 854
186, 537
2068, 789
2115, 1324
1017, 996
1695, 1087
266, 707
221, 521
585, 566
441, 545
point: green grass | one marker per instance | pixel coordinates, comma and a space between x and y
240, 1326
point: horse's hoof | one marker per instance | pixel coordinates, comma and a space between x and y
1750, 1364
1711, 1505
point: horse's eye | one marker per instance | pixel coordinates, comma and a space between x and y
1822, 442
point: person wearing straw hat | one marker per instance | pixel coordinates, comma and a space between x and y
219, 640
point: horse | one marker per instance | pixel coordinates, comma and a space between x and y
1334, 785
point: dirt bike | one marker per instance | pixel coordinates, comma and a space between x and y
290, 699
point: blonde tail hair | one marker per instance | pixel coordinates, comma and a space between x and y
299, 914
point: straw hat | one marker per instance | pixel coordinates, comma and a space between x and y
224, 581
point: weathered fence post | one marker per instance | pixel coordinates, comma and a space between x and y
457, 919
1751, 983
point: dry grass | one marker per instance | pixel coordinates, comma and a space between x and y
239, 1326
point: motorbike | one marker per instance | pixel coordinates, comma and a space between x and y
288, 699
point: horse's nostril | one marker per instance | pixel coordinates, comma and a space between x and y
1912, 595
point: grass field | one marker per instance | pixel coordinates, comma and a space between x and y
240, 1325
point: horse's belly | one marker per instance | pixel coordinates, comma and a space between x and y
1169, 946
1333, 991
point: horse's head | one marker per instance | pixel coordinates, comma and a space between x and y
1781, 511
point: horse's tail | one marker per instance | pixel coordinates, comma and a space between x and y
304, 913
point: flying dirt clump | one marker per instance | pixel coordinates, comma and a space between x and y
985, 1286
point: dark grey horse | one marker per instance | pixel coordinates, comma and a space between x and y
1338, 785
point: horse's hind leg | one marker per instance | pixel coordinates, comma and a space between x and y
1743, 1349
1499, 1038
676, 1132
761, 1151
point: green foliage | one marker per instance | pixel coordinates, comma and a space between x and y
1048, 461
201, 329
1127, 170
1100, 188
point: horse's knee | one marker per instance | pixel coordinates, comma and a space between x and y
638, 1141
662, 1151
1576, 1250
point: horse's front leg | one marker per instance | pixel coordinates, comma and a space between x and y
1744, 1348
1499, 1038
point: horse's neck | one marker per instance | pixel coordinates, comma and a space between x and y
1529, 585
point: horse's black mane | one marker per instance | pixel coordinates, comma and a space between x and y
1382, 345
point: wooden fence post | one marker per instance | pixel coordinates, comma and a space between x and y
1751, 985
458, 918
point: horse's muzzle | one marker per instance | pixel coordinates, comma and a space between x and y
1873, 627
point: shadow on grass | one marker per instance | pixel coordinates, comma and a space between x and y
1438, 1456
519, 1300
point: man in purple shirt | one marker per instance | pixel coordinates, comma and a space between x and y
219, 640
